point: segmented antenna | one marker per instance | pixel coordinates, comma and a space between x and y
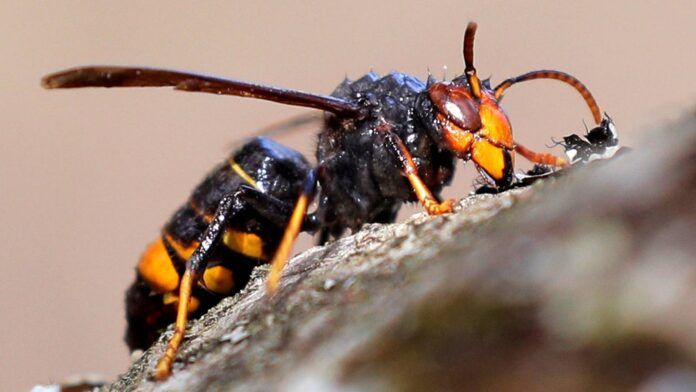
555, 75
468, 50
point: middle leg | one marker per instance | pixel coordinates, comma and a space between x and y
298, 216
274, 210
195, 266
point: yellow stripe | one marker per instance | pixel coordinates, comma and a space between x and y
248, 244
238, 169
157, 268
218, 279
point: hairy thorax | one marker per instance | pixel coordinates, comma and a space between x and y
360, 180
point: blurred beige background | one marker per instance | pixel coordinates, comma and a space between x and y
88, 176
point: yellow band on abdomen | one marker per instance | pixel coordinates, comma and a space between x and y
240, 172
157, 269
248, 244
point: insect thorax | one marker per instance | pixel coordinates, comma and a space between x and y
361, 181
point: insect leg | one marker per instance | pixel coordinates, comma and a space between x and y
293, 228
539, 157
195, 266
410, 170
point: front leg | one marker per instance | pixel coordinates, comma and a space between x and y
397, 147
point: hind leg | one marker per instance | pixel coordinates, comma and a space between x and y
245, 198
195, 266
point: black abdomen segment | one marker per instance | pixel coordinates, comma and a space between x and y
261, 163
267, 168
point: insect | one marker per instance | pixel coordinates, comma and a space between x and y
385, 141
601, 142
598, 143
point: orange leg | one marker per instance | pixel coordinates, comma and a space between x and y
426, 198
290, 235
164, 365
195, 266
410, 170
542, 158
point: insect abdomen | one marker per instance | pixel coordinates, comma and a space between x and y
248, 240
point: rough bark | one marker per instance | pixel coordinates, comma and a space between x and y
581, 282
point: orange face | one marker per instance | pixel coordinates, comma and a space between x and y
475, 128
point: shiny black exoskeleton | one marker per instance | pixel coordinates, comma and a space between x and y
385, 141
255, 190
361, 180
600, 142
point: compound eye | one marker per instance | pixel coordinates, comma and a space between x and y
457, 104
